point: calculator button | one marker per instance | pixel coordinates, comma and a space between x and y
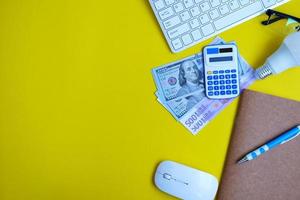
234, 92
221, 76
222, 92
222, 87
210, 88
233, 75
227, 71
210, 93
216, 77
222, 82
209, 77
209, 82
227, 76
228, 87
216, 82
215, 72
216, 87
221, 72
233, 70
228, 81
234, 86
234, 81
228, 92
216, 93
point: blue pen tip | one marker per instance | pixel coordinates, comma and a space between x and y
245, 159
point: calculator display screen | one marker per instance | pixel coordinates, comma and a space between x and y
220, 59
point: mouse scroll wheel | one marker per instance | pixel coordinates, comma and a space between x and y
167, 176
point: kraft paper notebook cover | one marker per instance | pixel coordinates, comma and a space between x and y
274, 175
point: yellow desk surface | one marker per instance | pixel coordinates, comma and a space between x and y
78, 115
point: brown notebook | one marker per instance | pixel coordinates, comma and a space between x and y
274, 175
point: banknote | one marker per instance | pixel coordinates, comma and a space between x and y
188, 103
171, 79
180, 105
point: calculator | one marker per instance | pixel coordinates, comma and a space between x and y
221, 71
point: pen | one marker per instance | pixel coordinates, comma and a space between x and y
281, 139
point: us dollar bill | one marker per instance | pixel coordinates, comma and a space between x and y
179, 78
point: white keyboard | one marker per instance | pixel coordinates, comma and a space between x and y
188, 22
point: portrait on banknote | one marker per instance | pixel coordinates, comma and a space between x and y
191, 79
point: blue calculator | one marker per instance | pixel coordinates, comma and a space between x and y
221, 71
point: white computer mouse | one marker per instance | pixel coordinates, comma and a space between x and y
185, 182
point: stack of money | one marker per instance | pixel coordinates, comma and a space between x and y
180, 89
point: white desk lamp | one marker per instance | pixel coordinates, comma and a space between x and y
287, 56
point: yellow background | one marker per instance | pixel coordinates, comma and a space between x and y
78, 114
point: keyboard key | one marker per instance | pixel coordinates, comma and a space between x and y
227, 76
216, 93
222, 87
227, 81
207, 29
166, 13
234, 91
222, 92
178, 7
159, 4
222, 83
216, 82
204, 6
187, 39
234, 5
227, 71
268, 3
210, 93
234, 86
234, 81
169, 2
228, 87
177, 44
221, 71
209, 77
244, 2
195, 11
216, 87
233, 75
216, 77
194, 23
172, 22
228, 92
214, 14
204, 19
179, 30
214, 3
233, 70
221, 77
209, 82
185, 16
196, 35
210, 87
188, 3
215, 72
238, 15
224, 9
